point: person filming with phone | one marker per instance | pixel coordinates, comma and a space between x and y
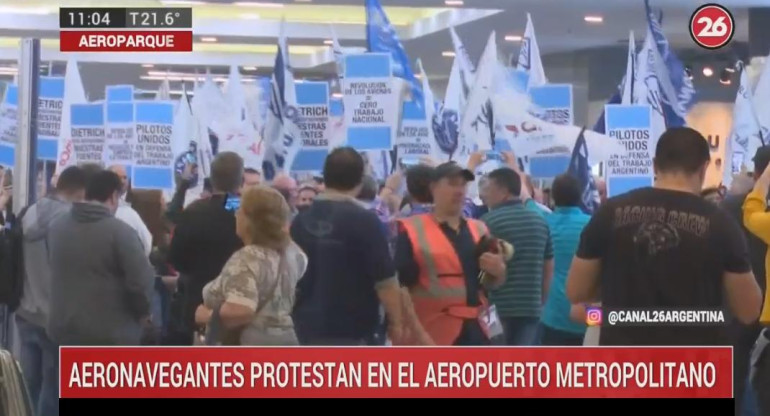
444, 261
205, 236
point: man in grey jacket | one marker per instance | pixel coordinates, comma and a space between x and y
39, 356
102, 281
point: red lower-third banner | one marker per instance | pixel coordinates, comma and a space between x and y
126, 41
249, 372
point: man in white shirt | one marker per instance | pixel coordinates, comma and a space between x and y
128, 215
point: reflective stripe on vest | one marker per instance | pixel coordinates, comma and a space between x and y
435, 289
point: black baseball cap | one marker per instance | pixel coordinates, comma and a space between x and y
761, 159
452, 169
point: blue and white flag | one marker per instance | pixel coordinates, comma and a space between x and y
235, 96
382, 37
237, 133
478, 122
581, 169
647, 88
164, 91
415, 138
339, 54
280, 132
744, 139
73, 94
629, 79
466, 70
446, 123
209, 104
527, 134
762, 100
677, 87
529, 61
184, 143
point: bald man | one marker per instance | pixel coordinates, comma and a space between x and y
128, 215
287, 186
601, 187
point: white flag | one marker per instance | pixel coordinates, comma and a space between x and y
744, 137
647, 86
164, 91
280, 136
73, 94
466, 69
478, 122
762, 100
630, 78
529, 57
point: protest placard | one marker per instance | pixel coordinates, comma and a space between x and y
49, 114
631, 125
371, 101
120, 134
8, 123
153, 152
119, 93
415, 138
87, 132
312, 123
554, 105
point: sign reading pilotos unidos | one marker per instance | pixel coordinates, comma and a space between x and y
631, 125
371, 101
154, 154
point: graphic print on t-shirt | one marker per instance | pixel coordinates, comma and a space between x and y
655, 236
659, 229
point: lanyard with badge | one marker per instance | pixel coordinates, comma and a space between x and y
489, 318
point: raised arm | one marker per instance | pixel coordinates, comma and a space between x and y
755, 218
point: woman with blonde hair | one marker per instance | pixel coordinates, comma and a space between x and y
250, 302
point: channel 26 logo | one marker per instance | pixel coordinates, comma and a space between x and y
593, 316
712, 26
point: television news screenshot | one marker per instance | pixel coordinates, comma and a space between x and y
208, 203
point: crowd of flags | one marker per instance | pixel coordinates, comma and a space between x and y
465, 120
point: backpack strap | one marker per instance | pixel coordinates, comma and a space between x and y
23, 212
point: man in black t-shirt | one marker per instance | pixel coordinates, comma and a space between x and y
204, 238
665, 247
350, 271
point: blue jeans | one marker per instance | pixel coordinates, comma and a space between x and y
39, 360
521, 331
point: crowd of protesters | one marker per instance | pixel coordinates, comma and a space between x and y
433, 255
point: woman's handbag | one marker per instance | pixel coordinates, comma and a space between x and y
217, 334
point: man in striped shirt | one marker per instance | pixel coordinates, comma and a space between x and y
519, 301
